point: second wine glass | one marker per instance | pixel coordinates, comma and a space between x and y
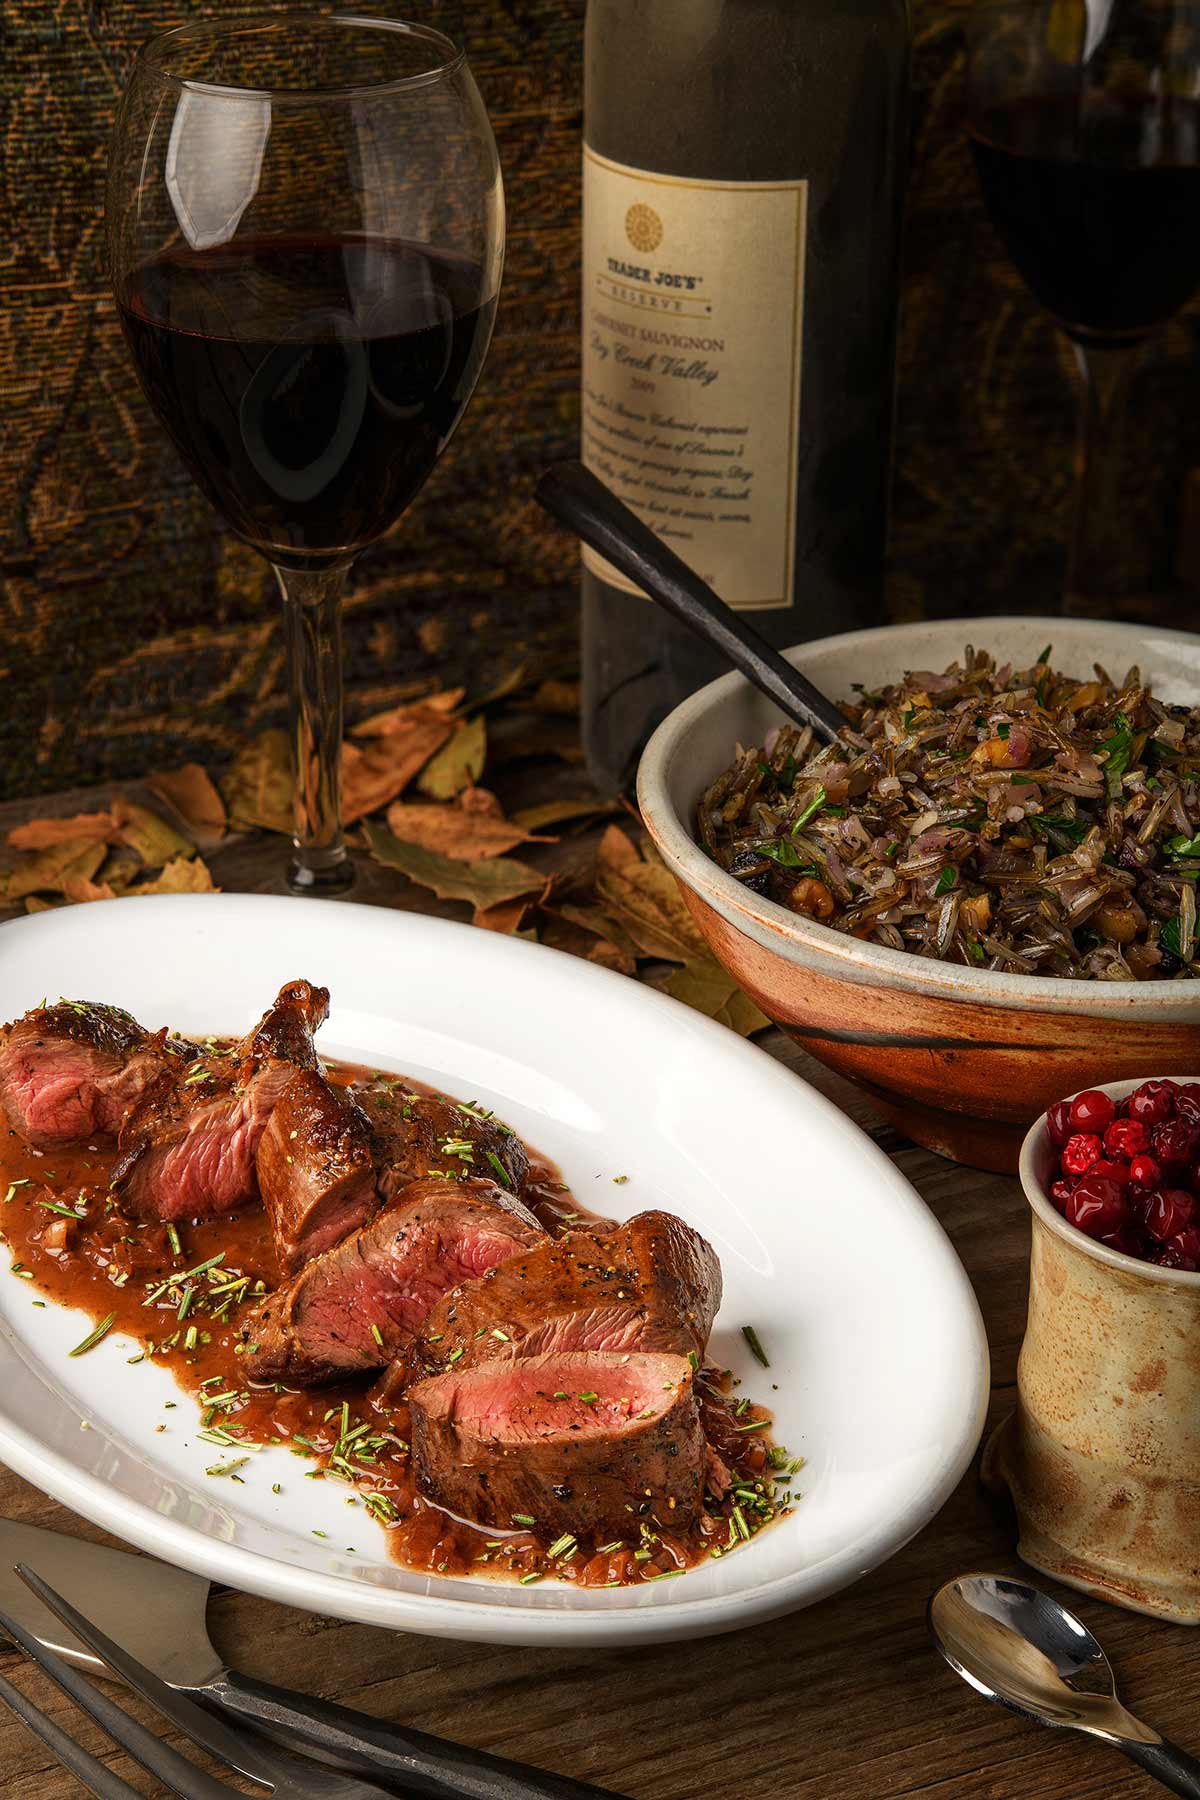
1085, 124
306, 231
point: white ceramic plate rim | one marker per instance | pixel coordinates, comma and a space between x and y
277, 1579
790, 936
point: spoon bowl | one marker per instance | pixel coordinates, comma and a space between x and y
1021, 1648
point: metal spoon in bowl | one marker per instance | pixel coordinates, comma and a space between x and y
579, 500
1019, 1647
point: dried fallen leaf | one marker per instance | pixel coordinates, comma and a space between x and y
373, 775
182, 875
458, 764
506, 916
483, 884
507, 684
598, 922
703, 984
258, 788
155, 841
566, 934
559, 697
396, 717
78, 889
615, 850
466, 832
645, 900
42, 834
561, 812
192, 796
45, 871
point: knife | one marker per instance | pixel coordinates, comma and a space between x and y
157, 1613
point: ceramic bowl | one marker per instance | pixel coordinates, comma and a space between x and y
1102, 1455
962, 1060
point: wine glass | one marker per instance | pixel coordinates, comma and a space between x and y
1084, 118
306, 230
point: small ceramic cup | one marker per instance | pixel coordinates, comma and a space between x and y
1102, 1455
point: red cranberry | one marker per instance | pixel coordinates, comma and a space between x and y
1182, 1252
1187, 1102
1137, 1199
1092, 1111
1115, 1171
1126, 1137
1060, 1193
1170, 1211
1144, 1172
1097, 1207
1153, 1103
1058, 1123
1174, 1143
1080, 1152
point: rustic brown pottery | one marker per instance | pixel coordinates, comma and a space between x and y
962, 1060
1102, 1455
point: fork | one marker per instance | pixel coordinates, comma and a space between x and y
285, 1776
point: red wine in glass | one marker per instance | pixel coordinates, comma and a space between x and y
310, 384
1098, 208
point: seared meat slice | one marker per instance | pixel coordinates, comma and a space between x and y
74, 1069
188, 1147
420, 1134
578, 1441
354, 1308
650, 1284
316, 1173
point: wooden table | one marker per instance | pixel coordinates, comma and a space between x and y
847, 1701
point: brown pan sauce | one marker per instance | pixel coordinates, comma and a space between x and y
153, 1286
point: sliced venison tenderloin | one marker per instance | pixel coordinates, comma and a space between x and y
187, 1150
316, 1171
650, 1284
578, 1440
414, 1135
352, 1309
329, 1156
75, 1069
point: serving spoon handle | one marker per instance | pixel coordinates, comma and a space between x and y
1167, 1763
581, 501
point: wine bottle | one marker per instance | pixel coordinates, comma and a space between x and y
743, 185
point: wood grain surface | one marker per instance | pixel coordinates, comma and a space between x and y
845, 1701
138, 633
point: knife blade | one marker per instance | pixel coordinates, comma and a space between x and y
158, 1613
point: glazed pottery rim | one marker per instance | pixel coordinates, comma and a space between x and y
1041, 1203
800, 939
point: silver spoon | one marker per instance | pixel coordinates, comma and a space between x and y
1022, 1649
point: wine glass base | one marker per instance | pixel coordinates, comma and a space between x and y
321, 881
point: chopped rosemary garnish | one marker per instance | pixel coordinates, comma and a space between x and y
93, 1337
752, 1338
501, 1171
177, 1280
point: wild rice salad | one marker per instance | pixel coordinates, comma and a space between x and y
1015, 819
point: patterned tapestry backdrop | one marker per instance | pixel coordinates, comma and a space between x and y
137, 633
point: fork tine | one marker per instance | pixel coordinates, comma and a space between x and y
173, 1770
201, 1726
74, 1758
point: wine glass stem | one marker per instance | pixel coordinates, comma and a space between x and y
312, 604
1097, 568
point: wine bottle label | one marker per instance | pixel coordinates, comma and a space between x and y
693, 312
